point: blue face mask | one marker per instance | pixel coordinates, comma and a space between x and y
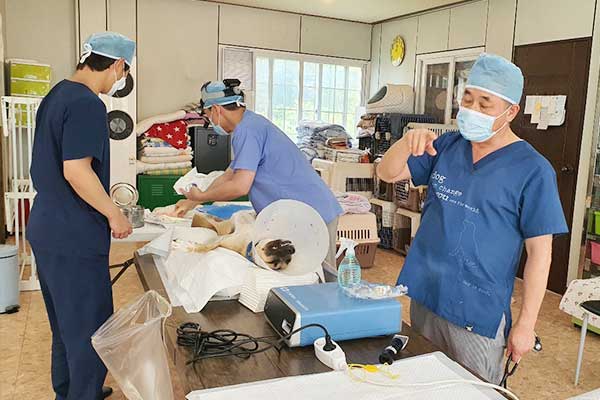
475, 126
218, 128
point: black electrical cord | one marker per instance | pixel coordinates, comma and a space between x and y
228, 343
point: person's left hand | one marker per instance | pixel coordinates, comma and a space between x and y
194, 194
520, 341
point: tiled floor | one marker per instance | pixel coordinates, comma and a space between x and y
25, 343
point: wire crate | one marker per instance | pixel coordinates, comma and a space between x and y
406, 195
439, 129
362, 228
349, 156
382, 190
384, 213
401, 233
391, 127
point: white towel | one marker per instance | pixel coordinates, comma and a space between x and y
202, 181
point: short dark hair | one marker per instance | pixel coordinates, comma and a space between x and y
96, 62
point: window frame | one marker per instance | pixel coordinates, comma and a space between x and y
446, 57
301, 58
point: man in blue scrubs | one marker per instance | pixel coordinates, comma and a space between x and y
73, 216
267, 164
489, 193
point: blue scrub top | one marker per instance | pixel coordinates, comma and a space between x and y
282, 171
71, 124
463, 260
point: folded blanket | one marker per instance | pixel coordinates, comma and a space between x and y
157, 143
174, 133
143, 167
353, 203
163, 151
173, 172
146, 124
167, 159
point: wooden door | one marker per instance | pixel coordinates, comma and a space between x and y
557, 68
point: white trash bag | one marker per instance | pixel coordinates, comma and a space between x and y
131, 345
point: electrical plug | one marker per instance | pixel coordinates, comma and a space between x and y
330, 353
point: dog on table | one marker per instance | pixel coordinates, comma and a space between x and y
236, 234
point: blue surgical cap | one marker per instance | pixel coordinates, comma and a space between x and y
221, 94
498, 76
109, 44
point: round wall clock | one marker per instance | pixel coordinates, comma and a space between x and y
397, 51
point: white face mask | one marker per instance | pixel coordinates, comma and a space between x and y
118, 85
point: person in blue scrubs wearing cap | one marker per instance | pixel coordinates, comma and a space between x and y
267, 165
489, 194
72, 217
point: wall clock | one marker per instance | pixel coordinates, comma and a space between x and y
397, 51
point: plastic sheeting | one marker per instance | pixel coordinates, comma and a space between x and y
192, 279
130, 343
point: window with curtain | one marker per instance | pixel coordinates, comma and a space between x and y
289, 90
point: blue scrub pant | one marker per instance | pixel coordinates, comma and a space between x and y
78, 297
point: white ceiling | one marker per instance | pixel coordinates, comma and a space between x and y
354, 10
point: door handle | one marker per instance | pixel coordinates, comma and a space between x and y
567, 169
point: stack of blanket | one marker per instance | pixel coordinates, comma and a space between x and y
164, 144
313, 136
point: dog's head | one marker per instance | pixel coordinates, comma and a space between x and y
276, 253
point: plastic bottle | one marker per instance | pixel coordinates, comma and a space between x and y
349, 270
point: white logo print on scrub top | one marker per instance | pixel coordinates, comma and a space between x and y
466, 240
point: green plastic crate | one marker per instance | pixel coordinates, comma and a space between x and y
157, 191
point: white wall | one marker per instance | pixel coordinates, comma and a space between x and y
468, 25
500, 31
549, 20
405, 72
335, 38
177, 52
259, 28
43, 31
433, 31
375, 59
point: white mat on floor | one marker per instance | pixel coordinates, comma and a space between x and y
339, 386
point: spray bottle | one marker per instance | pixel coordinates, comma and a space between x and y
349, 270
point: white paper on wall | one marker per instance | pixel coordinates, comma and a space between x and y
546, 111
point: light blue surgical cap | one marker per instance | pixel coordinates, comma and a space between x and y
498, 76
109, 44
219, 93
